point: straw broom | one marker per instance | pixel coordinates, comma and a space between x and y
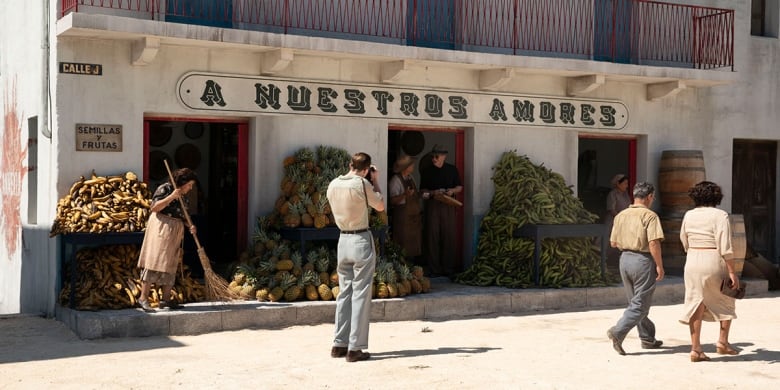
216, 287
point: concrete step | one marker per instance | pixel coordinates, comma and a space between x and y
446, 300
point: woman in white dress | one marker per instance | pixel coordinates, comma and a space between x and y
706, 236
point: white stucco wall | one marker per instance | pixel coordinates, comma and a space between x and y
27, 269
708, 119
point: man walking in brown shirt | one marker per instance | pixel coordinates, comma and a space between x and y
637, 232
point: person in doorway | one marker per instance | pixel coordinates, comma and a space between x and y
407, 208
350, 197
705, 234
161, 250
440, 218
618, 198
617, 201
638, 234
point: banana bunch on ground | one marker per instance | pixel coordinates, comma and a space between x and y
107, 278
103, 204
526, 193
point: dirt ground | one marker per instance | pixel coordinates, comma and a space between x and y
559, 350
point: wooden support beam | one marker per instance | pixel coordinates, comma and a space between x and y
275, 61
393, 72
493, 79
144, 51
658, 91
577, 86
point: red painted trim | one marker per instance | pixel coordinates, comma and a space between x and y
243, 186
194, 119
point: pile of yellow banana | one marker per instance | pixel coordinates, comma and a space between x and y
103, 204
107, 278
526, 193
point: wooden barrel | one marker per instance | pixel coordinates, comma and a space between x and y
671, 247
678, 172
738, 242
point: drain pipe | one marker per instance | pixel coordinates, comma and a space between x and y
44, 123
45, 57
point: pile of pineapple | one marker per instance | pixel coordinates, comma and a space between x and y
272, 270
303, 201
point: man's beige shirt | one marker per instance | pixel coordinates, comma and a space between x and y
347, 197
635, 227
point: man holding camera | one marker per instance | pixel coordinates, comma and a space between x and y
350, 197
438, 180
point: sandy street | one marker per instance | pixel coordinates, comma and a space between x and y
560, 350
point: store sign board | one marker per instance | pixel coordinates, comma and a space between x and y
247, 94
79, 68
98, 138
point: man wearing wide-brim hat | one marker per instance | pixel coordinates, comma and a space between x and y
440, 181
406, 208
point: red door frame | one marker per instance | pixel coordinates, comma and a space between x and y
243, 168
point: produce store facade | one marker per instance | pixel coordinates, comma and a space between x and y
230, 88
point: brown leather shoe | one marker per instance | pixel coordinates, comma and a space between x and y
356, 356
338, 352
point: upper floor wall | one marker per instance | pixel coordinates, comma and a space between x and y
621, 31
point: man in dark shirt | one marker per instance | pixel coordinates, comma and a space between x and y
440, 179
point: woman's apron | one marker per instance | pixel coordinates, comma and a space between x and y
407, 221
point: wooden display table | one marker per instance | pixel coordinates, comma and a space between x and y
70, 244
330, 233
540, 232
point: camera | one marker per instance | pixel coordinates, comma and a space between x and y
368, 174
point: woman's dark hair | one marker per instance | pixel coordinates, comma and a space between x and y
706, 193
183, 176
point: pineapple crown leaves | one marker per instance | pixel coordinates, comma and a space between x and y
322, 264
402, 270
310, 277
266, 266
297, 258
312, 256
288, 280
304, 154
293, 171
246, 270
305, 198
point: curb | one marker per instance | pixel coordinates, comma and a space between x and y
447, 300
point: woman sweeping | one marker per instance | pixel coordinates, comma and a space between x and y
162, 245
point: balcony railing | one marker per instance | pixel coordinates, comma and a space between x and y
624, 31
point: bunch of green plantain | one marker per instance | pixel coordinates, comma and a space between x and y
526, 193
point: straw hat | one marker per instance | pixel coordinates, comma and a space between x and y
402, 163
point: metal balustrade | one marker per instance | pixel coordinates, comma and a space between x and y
624, 31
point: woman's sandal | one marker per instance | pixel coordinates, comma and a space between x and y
699, 356
725, 349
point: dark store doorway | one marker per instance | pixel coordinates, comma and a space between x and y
211, 149
599, 160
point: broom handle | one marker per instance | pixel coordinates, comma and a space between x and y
183, 206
